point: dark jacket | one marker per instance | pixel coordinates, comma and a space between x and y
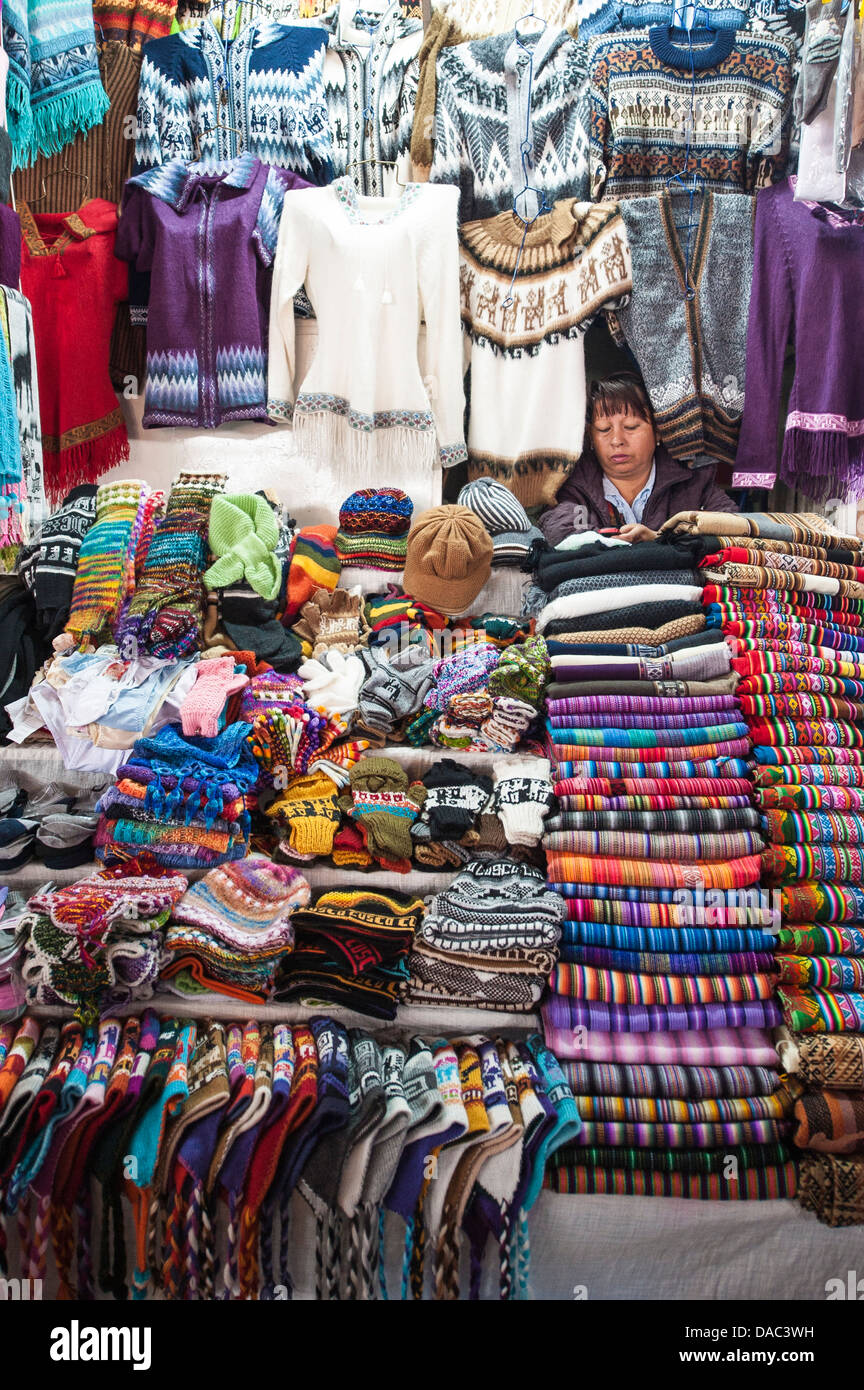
676, 489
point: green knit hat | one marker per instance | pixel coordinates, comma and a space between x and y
244, 534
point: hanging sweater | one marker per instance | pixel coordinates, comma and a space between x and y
371, 266
691, 352
808, 280
206, 329
267, 84
524, 337
370, 76
639, 96
482, 112
74, 282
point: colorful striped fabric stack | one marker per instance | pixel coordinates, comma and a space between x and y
794, 610
663, 997
106, 559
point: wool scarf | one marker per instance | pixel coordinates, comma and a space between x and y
103, 558
53, 86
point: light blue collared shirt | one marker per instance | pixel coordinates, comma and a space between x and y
632, 512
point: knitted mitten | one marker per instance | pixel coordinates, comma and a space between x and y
523, 795
454, 798
523, 672
308, 807
215, 681
332, 621
334, 682
821, 53
384, 808
394, 689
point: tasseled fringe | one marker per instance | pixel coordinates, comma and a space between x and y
418, 1255
84, 1212
58, 119
447, 1263
823, 463
285, 1242
230, 1276
208, 1253
333, 1254
25, 1254
326, 435
406, 1259
19, 120
248, 1262
112, 1272
39, 1245
192, 1240
64, 1248
382, 1258
85, 463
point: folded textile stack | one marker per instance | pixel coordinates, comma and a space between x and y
185, 800
351, 948
488, 941
226, 1122
373, 529
230, 931
789, 596
97, 943
656, 851
829, 1116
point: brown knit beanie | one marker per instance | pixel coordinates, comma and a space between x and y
449, 559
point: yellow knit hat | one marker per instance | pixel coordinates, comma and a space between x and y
308, 807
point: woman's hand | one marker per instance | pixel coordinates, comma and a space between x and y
633, 534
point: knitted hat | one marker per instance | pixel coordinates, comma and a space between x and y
449, 558
504, 517
384, 808
308, 806
243, 534
314, 565
373, 526
523, 672
246, 904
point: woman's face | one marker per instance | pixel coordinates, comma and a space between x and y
624, 445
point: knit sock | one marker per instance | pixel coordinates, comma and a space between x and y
215, 681
523, 795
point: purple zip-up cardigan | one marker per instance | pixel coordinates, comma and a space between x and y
207, 232
808, 279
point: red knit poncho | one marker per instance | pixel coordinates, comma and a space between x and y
74, 283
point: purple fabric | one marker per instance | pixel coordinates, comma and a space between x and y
640, 704
404, 1193
808, 277
10, 247
207, 236
676, 489
563, 1012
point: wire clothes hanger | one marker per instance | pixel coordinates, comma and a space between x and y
382, 163
526, 151
55, 174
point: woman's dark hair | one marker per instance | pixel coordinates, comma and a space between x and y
624, 393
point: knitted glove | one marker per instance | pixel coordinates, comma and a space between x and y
308, 807
394, 689
215, 681
523, 672
821, 53
333, 683
523, 795
332, 621
384, 808
467, 670
454, 798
